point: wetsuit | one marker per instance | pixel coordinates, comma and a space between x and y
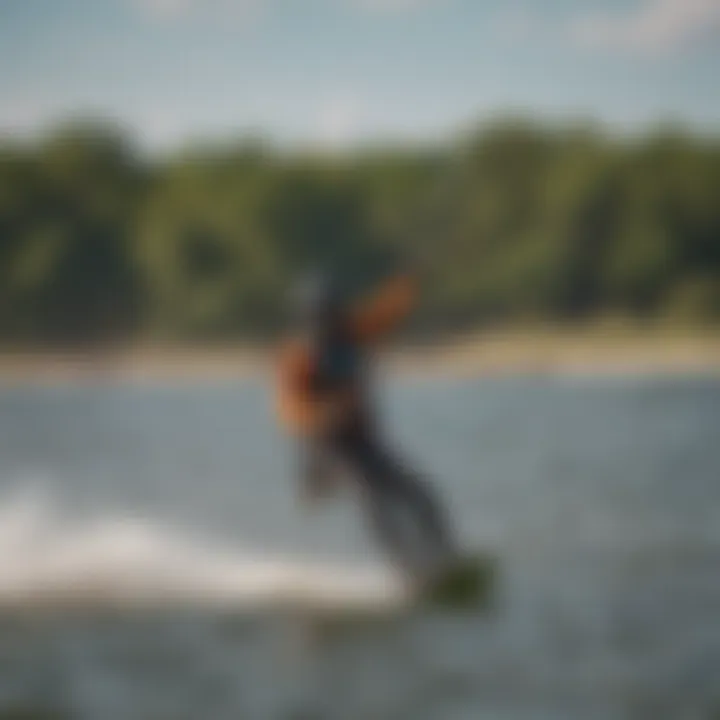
324, 401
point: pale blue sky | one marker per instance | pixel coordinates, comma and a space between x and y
339, 71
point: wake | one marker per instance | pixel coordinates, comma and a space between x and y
46, 560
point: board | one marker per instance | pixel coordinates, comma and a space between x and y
466, 583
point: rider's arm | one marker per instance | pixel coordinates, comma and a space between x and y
379, 314
294, 398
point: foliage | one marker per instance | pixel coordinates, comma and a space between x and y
512, 223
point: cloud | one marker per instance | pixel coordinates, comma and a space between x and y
176, 9
164, 8
517, 24
654, 26
338, 121
392, 6
183, 9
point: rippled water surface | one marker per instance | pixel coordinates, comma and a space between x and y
147, 534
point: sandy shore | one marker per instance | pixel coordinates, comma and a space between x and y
491, 354
566, 352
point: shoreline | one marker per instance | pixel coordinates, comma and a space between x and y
490, 354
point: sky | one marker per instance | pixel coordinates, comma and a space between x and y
339, 72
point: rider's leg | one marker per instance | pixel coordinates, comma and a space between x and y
394, 495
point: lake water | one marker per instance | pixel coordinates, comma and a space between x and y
148, 531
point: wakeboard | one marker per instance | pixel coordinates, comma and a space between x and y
466, 582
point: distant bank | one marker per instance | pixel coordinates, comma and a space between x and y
504, 353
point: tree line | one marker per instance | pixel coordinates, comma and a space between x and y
516, 222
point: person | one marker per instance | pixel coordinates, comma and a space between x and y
326, 404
